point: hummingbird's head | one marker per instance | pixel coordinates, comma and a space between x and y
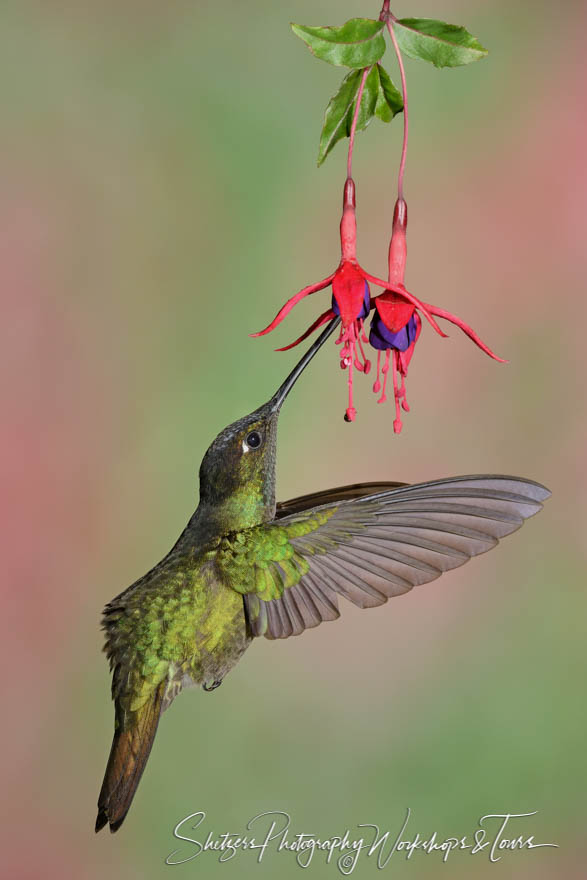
237, 474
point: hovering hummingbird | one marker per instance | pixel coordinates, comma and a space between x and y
245, 567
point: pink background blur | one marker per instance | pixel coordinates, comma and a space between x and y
159, 200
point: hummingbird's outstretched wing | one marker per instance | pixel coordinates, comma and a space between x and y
329, 496
368, 547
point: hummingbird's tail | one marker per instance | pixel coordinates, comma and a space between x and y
130, 750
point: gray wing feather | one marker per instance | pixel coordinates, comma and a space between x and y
381, 545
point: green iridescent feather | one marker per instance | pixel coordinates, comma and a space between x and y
263, 560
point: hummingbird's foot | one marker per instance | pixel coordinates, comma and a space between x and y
213, 686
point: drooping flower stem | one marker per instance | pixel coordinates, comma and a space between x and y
388, 17
397, 245
349, 164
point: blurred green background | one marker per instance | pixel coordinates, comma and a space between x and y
160, 199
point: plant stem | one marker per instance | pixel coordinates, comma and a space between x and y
349, 164
388, 17
402, 165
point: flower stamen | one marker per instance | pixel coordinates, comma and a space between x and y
397, 424
377, 383
351, 413
402, 390
385, 371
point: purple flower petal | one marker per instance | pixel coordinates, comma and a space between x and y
382, 338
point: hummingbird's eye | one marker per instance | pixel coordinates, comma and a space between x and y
254, 440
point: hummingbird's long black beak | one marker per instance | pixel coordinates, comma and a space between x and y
284, 389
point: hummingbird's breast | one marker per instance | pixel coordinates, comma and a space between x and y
219, 633
180, 622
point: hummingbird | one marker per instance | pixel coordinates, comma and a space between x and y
246, 567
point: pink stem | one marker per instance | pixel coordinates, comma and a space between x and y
322, 319
284, 310
466, 329
402, 164
349, 164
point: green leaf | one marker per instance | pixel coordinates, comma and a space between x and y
338, 117
358, 43
444, 45
389, 100
380, 98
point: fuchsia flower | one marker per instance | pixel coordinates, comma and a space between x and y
351, 300
396, 323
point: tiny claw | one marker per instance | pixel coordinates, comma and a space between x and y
212, 687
